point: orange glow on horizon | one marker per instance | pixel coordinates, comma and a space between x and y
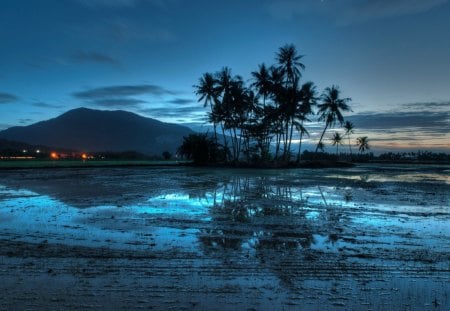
84, 156
54, 156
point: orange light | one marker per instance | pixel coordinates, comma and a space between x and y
54, 155
84, 156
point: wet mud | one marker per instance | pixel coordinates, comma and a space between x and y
361, 238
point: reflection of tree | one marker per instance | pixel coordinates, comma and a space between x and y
268, 220
264, 213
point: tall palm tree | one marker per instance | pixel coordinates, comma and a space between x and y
349, 129
262, 82
363, 143
321, 146
275, 116
308, 97
331, 108
207, 92
289, 62
337, 140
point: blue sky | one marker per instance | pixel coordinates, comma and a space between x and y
390, 57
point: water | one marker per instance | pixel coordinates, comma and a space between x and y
342, 236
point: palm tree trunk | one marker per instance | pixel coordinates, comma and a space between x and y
290, 140
350, 147
299, 155
224, 141
321, 137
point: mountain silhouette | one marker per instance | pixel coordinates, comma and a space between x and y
92, 130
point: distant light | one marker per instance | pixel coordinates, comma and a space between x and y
24, 151
84, 156
54, 155
38, 151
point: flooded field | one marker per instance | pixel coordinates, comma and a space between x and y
362, 238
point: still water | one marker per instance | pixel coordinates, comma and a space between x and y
363, 225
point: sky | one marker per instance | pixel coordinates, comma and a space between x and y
391, 57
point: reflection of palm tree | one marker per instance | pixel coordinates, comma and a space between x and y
264, 217
337, 140
363, 143
349, 129
331, 108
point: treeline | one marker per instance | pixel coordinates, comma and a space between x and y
415, 156
259, 122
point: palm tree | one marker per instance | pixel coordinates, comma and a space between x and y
337, 140
207, 92
262, 82
349, 129
289, 62
290, 66
321, 146
363, 143
331, 109
308, 97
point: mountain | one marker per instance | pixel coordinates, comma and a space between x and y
92, 130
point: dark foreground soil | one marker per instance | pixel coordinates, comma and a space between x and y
365, 238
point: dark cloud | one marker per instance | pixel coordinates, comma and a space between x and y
45, 105
119, 102
7, 98
428, 106
112, 92
434, 122
372, 9
108, 3
120, 3
95, 57
126, 30
180, 101
25, 121
350, 11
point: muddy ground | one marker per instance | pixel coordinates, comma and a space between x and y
362, 238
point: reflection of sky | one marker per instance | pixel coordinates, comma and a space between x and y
30, 217
174, 219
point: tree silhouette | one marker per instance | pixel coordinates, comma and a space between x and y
207, 92
249, 126
363, 143
336, 141
262, 82
308, 99
289, 62
349, 129
331, 108
199, 148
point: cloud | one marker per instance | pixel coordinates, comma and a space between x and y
393, 122
108, 3
25, 121
7, 98
119, 3
45, 105
350, 11
119, 102
434, 106
191, 113
180, 101
113, 92
363, 10
94, 57
133, 30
